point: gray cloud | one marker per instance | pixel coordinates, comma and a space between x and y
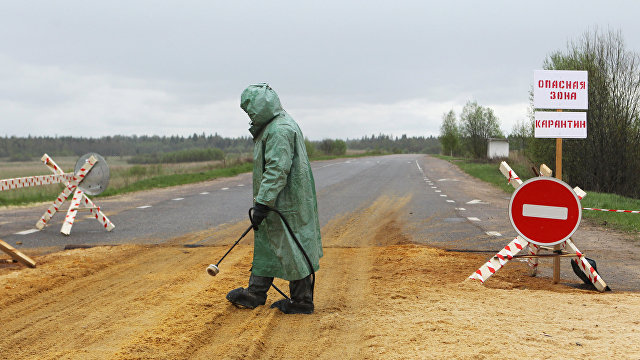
342, 68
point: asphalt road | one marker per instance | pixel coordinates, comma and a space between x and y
343, 186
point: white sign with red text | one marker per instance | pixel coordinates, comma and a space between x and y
560, 125
560, 89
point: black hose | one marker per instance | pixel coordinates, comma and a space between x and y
286, 223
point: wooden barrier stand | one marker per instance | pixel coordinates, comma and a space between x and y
566, 248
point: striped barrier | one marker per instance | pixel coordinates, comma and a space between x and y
612, 210
518, 244
79, 198
18, 183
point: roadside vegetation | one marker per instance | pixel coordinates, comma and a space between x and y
488, 171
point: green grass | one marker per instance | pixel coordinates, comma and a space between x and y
489, 172
162, 181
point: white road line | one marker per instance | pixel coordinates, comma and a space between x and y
434, 187
450, 201
438, 191
224, 189
461, 209
240, 185
545, 212
476, 201
204, 193
443, 195
143, 206
177, 199
27, 232
494, 233
473, 219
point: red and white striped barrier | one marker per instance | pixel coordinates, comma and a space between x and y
499, 260
18, 183
612, 210
518, 244
71, 181
79, 198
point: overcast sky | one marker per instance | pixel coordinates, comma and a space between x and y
343, 69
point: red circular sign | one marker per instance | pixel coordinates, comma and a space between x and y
545, 211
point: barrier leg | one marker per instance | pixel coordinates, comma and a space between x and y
44, 219
586, 268
72, 212
95, 210
499, 260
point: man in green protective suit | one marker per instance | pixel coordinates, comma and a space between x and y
282, 180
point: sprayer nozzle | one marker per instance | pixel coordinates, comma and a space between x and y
212, 270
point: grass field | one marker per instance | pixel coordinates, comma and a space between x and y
124, 177
489, 172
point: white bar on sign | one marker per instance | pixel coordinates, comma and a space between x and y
545, 212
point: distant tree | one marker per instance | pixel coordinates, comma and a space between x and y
521, 133
309, 147
333, 147
449, 133
477, 125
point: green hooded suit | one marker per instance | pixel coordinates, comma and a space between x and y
282, 179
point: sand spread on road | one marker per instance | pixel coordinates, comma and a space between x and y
378, 295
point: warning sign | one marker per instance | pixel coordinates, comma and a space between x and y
560, 89
563, 125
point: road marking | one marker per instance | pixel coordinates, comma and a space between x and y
438, 191
494, 233
476, 201
418, 165
177, 199
144, 206
450, 201
27, 232
240, 185
545, 212
443, 195
434, 187
448, 180
224, 189
204, 193
473, 219
461, 209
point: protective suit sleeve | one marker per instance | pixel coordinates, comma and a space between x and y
278, 157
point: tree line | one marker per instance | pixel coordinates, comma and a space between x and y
196, 147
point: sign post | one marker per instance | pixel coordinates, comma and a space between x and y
560, 89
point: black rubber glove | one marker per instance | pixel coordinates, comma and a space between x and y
259, 214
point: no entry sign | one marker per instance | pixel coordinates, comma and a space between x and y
545, 211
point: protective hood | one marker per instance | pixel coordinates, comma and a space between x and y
262, 105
